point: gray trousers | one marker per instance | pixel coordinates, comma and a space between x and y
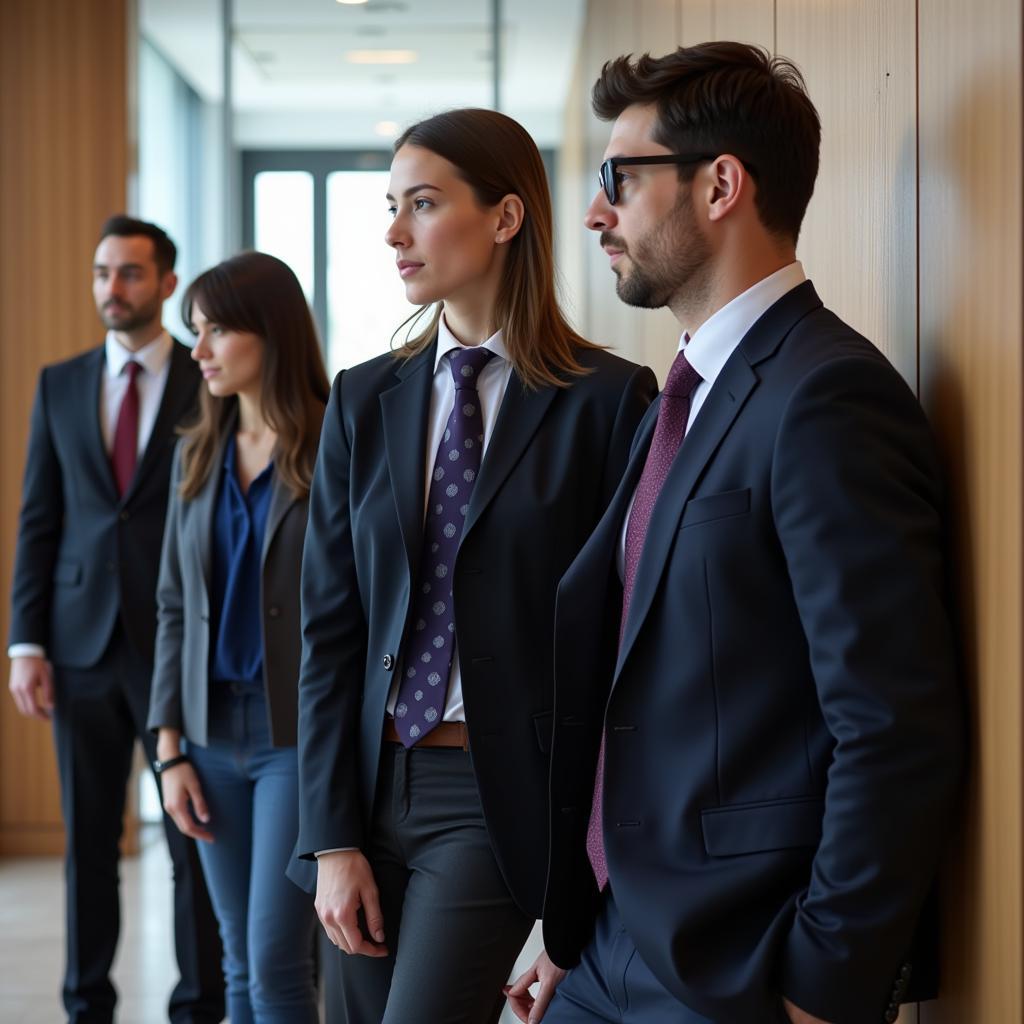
452, 928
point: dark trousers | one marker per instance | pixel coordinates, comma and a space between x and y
613, 985
100, 712
452, 929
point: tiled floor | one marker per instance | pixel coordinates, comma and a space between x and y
32, 939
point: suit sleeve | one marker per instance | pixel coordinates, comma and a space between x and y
39, 530
165, 692
856, 498
334, 641
639, 392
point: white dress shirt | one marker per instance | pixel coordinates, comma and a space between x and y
491, 384
155, 359
715, 341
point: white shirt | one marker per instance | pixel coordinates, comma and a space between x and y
715, 341
491, 384
155, 359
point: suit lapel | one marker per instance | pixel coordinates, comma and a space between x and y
518, 419
179, 392
204, 507
93, 427
404, 409
728, 396
281, 499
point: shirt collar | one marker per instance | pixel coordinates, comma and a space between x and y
716, 339
446, 341
152, 357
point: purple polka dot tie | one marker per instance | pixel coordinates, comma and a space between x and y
669, 431
430, 643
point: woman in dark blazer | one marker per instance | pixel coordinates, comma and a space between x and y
223, 700
456, 480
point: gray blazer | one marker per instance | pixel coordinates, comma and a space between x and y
180, 692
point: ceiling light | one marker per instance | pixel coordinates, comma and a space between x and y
381, 56
389, 129
352, 3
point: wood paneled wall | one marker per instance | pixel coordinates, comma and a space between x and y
914, 236
64, 163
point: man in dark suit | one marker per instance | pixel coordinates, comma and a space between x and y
752, 777
83, 617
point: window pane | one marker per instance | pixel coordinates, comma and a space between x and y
283, 214
365, 296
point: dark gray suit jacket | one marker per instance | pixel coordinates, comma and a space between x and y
180, 694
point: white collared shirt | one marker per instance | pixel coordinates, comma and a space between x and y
491, 385
715, 341
155, 359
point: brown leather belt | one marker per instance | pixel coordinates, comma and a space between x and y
446, 734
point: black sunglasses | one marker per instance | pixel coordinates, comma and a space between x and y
609, 180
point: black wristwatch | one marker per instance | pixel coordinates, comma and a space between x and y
161, 766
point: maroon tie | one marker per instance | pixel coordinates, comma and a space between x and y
668, 436
126, 433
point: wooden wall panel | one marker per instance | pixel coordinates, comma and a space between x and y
859, 241
63, 168
971, 384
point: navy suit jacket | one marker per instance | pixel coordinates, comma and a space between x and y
86, 557
783, 719
551, 466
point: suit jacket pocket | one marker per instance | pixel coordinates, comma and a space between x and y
715, 506
761, 827
67, 573
543, 724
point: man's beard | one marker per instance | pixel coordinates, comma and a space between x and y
672, 260
130, 318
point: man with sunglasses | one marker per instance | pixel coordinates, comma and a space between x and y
757, 737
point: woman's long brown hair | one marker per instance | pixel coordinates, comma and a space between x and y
258, 293
496, 157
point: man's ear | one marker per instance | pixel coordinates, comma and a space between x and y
168, 282
510, 218
729, 182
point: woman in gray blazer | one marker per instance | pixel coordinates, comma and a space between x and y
228, 639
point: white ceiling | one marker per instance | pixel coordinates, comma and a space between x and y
294, 87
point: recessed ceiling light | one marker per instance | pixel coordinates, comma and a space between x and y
389, 129
381, 56
352, 3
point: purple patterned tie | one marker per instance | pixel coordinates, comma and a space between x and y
668, 436
430, 643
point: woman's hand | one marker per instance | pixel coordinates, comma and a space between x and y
531, 1009
344, 886
184, 801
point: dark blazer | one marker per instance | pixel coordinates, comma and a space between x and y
783, 721
551, 466
181, 674
85, 557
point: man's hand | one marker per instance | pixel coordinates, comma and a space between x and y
531, 1009
184, 801
344, 886
31, 687
798, 1016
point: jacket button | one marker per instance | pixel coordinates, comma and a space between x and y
389, 662
273, 611
125, 515
111, 567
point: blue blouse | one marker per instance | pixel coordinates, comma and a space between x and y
240, 521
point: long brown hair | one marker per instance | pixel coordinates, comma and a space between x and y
496, 157
258, 293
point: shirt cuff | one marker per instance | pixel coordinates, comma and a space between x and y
26, 651
338, 849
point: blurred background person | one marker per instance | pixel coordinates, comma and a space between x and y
228, 643
83, 608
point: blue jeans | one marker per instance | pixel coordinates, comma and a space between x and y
266, 922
